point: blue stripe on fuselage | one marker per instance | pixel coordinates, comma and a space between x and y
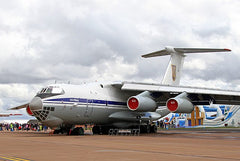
83, 100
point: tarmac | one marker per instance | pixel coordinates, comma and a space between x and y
176, 144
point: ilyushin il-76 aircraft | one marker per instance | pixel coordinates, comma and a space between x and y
119, 105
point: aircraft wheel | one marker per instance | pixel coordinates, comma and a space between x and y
153, 129
105, 130
78, 131
148, 129
81, 131
145, 129
56, 131
96, 130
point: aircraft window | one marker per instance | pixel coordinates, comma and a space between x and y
48, 90
48, 108
52, 108
53, 90
42, 90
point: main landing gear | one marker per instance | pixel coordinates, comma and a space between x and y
105, 130
101, 130
148, 129
70, 131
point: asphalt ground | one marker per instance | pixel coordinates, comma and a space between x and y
184, 144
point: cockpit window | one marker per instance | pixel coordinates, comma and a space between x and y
50, 91
41, 91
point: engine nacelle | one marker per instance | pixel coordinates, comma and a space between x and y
141, 103
180, 104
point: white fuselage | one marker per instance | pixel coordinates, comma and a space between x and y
82, 104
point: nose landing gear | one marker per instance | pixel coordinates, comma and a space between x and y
77, 131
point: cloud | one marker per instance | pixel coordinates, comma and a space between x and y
12, 95
216, 69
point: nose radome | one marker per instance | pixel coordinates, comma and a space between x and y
36, 103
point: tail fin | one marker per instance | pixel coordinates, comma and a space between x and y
173, 73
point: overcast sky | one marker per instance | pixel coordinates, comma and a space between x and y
84, 41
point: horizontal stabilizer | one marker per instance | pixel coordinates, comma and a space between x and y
169, 50
173, 73
199, 50
156, 53
19, 107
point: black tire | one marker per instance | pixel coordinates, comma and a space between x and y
77, 131
96, 130
56, 131
105, 130
145, 129
153, 129
148, 129
81, 131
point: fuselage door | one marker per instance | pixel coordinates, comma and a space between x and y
89, 108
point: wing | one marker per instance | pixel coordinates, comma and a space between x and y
198, 96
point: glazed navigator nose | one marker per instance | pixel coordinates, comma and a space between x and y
36, 103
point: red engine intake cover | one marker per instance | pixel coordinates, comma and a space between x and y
133, 103
172, 105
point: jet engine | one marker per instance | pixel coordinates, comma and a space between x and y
142, 102
180, 104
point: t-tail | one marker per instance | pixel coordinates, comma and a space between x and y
173, 73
